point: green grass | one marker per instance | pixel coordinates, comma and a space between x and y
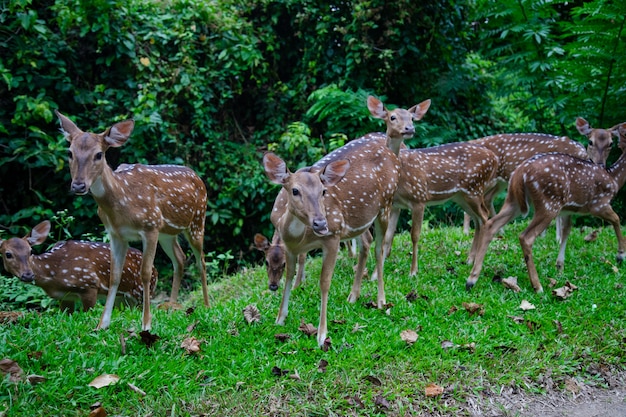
235, 373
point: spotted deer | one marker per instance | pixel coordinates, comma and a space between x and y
557, 184
72, 270
459, 172
514, 148
336, 199
399, 126
147, 203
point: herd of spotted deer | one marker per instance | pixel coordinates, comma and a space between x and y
365, 183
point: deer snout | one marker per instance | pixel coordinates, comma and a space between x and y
28, 276
78, 188
320, 227
273, 286
409, 131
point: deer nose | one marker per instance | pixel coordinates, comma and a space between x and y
27, 276
78, 188
320, 226
273, 287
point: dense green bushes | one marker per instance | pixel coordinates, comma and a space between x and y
212, 84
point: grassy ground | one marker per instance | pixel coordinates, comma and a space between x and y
243, 369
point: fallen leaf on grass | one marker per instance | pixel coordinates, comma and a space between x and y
104, 380
452, 310
282, 337
97, 411
433, 390
381, 402
411, 296
10, 317
321, 366
355, 401
615, 269
372, 379
591, 236
409, 336
511, 283
552, 282
192, 326
525, 305
191, 345
517, 319
446, 344
276, 371
565, 291
148, 338
307, 328
473, 308
251, 314
559, 326
9, 366
295, 375
532, 325
326, 345
35, 379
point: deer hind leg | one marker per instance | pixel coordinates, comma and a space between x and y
300, 274
610, 216
476, 208
508, 212
564, 226
89, 298
380, 228
171, 247
196, 241
365, 242
388, 238
540, 222
119, 247
150, 240
330, 250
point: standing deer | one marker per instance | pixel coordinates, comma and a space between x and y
556, 183
514, 148
460, 172
72, 270
149, 203
337, 199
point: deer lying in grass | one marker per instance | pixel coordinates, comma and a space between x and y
557, 184
72, 270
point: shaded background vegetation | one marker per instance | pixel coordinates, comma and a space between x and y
213, 84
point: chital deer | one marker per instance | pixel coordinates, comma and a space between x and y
554, 184
460, 172
150, 203
514, 148
337, 199
72, 270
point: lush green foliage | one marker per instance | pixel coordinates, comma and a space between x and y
214, 84
243, 369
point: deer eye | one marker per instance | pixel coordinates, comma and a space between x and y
295, 192
69, 154
324, 192
98, 156
8, 255
393, 117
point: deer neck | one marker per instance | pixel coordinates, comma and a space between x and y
394, 143
618, 170
106, 188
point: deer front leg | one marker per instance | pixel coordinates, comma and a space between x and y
417, 218
541, 220
609, 215
119, 247
89, 299
300, 275
564, 226
330, 250
380, 228
289, 273
389, 235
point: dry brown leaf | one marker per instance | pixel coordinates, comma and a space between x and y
525, 305
104, 380
282, 337
373, 380
559, 326
446, 344
517, 319
251, 314
191, 345
433, 390
192, 326
552, 282
511, 283
471, 347
562, 293
295, 375
9, 366
9, 317
411, 296
326, 345
321, 366
98, 412
148, 338
35, 379
473, 308
136, 389
307, 328
452, 310
381, 402
409, 336
591, 236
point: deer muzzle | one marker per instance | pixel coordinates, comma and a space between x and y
78, 188
320, 227
27, 276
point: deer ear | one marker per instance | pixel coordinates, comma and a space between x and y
275, 168
261, 242
39, 233
376, 107
419, 110
119, 133
583, 126
334, 172
68, 128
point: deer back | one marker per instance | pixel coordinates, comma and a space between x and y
559, 182
438, 173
